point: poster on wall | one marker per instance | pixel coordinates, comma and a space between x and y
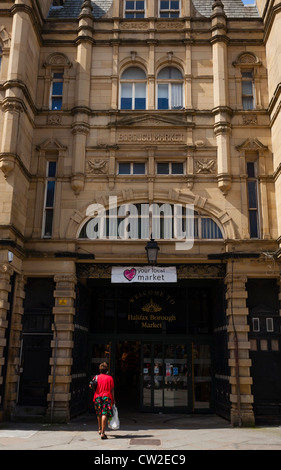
151, 274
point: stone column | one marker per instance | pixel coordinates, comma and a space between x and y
62, 346
83, 84
6, 272
239, 361
221, 109
13, 102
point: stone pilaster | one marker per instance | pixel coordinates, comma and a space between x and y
238, 344
13, 366
5, 288
62, 346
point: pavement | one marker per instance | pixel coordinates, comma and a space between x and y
172, 433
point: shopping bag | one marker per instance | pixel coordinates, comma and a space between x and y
114, 422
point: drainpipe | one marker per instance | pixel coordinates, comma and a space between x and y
54, 372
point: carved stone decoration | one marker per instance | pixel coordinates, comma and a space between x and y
57, 59
170, 25
247, 58
97, 166
205, 166
250, 119
54, 120
134, 25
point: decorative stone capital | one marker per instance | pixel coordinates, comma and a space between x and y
222, 128
77, 183
224, 182
12, 105
80, 129
7, 164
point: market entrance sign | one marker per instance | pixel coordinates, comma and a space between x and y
143, 274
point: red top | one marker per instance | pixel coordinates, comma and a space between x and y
104, 387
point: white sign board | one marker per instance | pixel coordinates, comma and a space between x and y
143, 274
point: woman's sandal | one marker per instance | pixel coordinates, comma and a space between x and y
103, 436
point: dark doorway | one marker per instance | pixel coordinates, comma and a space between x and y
35, 369
127, 374
36, 343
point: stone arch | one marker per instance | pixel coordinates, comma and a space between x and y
133, 61
169, 61
248, 59
225, 222
57, 59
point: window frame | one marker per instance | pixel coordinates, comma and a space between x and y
253, 179
247, 96
199, 229
170, 82
131, 163
58, 96
134, 11
170, 163
269, 322
133, 81
47, 208
169, 10
256, 325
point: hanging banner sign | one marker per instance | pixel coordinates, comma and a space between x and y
143, 274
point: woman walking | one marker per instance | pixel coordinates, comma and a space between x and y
104, 398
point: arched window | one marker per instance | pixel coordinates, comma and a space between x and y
170, 89
168, 222
133, 89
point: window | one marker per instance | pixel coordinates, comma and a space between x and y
134, 9
131, 168
269, 325
252, 184
170, 168
169, 9
133, 89
56, 91
170, 89
133, 221
247, 90
256, 324
49, 199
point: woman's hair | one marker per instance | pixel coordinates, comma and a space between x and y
103, 368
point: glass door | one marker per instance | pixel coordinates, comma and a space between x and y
176, 393
166, 376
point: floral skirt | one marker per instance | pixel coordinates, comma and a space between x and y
103, 406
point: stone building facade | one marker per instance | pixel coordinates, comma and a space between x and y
139, 103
